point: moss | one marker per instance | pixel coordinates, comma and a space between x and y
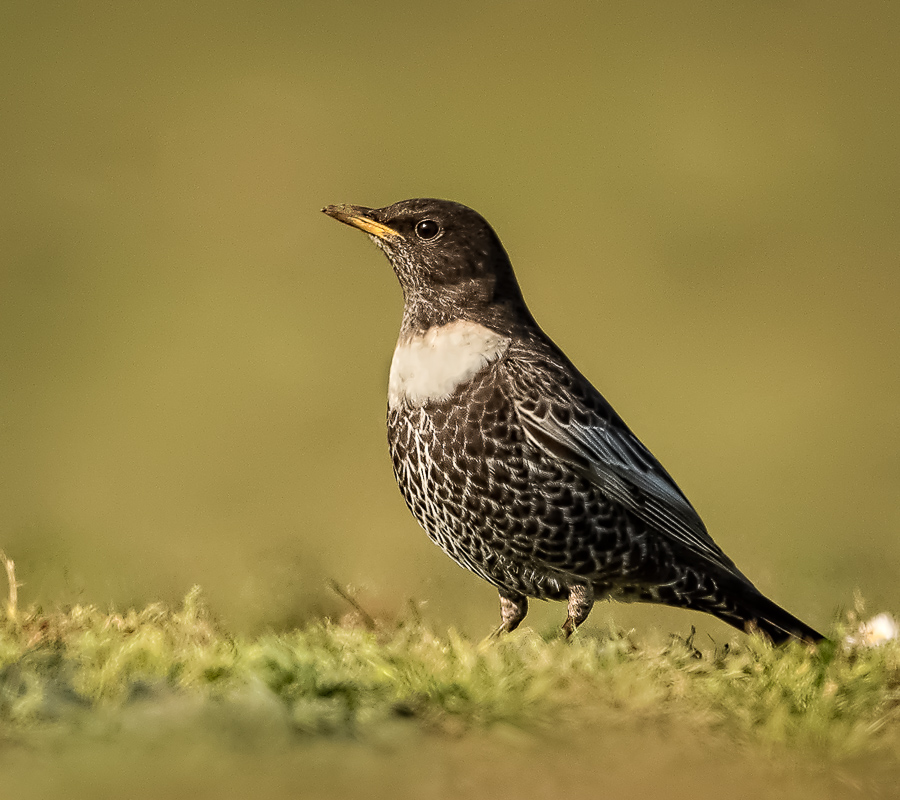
57, 668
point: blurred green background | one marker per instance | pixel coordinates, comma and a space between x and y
701, 200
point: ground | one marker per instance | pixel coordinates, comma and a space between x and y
163, 702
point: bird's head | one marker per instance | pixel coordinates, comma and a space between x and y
450, 263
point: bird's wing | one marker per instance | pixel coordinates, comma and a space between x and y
598, 445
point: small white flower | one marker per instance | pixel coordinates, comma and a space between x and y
876, 631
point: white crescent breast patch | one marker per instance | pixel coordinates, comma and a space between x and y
430, 365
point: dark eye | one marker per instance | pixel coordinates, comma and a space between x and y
427, 229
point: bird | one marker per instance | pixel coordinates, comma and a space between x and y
510, 459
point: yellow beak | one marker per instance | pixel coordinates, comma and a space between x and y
357, 216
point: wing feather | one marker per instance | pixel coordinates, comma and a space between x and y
605, 452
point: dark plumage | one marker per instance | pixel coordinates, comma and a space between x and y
512, 461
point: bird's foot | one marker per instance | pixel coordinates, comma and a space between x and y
581, 601
513, 609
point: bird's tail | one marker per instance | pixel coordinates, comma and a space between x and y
751, 610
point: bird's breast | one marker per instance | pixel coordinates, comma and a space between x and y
430, 366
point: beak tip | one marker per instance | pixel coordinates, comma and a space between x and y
358, 217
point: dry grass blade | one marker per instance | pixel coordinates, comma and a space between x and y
12, 602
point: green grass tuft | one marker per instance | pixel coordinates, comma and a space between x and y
84, 667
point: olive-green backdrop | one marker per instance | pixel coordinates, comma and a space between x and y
701, 200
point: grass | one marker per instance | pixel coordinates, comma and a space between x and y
85, 674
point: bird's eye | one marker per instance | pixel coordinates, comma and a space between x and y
427, 229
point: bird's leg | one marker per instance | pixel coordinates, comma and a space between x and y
513, 608
581, 601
